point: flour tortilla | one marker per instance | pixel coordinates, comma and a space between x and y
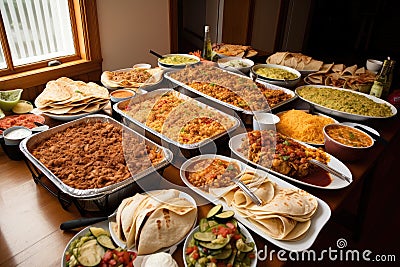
127, 211
166, 226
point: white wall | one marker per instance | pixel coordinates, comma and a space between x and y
130, 28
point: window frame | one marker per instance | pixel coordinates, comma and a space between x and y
87, 46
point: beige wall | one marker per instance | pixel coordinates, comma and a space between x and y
129, 28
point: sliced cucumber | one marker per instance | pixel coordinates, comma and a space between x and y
203, 225
97, 231
214, 211
90, 253
204, 236
244, 247
106, 241
225, 215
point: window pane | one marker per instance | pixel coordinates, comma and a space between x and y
3, 64
37, 29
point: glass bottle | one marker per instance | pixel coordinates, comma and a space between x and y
381, 80
386, 88
207, 49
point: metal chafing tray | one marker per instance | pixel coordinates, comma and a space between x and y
245, 115
99, 193
187, 149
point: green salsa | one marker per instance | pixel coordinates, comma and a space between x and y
177, 60
276, 73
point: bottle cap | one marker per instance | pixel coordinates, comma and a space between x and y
207, 28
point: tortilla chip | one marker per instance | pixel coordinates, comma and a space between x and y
350, 70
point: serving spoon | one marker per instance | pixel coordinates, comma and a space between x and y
330, 170
246, 190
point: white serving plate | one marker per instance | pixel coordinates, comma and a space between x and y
337, 183
102, 79
243, 230
318, 220
315, 113
279, 82
343, 114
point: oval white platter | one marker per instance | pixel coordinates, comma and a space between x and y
318, 220
337, 183
346, 115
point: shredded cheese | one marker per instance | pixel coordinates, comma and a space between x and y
303, 126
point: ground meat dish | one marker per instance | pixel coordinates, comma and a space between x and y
91, 155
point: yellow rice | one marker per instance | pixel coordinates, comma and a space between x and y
303, 126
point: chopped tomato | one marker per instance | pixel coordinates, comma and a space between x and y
237, 237
190, 249
231, 225
195, 255
251, 255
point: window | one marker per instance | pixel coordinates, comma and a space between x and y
37, 30
34, 32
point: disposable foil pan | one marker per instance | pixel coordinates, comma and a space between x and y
29, 143
120, 108
232, 75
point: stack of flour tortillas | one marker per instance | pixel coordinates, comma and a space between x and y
296, 61
68, 97
285, 214
150, 222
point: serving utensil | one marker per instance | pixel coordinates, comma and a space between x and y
73, 224
246, 190
156, 54
330, 170
373, 135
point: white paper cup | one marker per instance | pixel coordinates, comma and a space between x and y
265, 121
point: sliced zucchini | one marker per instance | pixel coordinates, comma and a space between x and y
225, 215
97, 231
106, 241
204, 236
214, 211
244, 247
216, 243
212, 223
90, 253
226, 252
203, 225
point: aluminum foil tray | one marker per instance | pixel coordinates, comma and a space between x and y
233, 75
120, 107
29, 143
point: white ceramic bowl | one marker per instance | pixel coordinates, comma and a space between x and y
142, 66
374, 65
265, 121
279, 82
238, 63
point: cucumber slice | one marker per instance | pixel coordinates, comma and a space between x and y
214, 211
203, 225
225, 215
204, 236
106, 241
90, 253
97, 231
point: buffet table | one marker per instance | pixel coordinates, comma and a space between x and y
29, 224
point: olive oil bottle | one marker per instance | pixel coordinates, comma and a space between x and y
381, 80
207, 49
